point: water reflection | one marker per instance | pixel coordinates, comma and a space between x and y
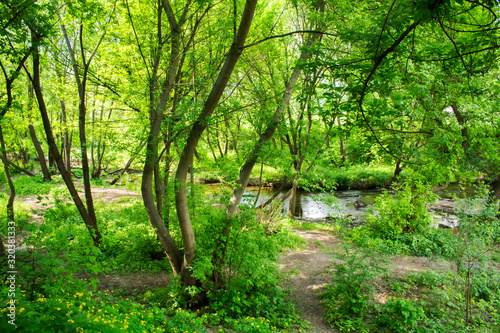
319, 206
316, 206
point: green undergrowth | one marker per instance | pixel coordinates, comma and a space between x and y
361, 176
36, 185
364, 296
320, 177
461, 296
58, 287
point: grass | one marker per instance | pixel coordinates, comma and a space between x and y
52, 293
54, 296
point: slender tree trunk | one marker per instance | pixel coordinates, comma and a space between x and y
166, 178
89, 222
21, 169
36, 143
217, 139
275, 195
159, 191
246, 169
129, 162
343, 153
461, 121
85, 162
397, 170
50, 158
3, 255
496, 192
5, 160
156, 116
41, 155
260, 183
293, 193
66, 137
186, 158
210, 145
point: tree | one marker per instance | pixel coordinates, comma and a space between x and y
81, 83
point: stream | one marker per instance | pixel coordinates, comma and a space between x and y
318, 206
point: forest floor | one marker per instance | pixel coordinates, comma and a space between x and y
307, 269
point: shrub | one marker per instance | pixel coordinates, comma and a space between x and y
405, 212
401, 315
350, 290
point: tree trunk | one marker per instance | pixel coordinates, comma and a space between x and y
186, 158
461, 121
343, 153
293, 194
129, 162
5, 160
85, 162
3, 255
159, 191
21, 169
67, 138
41, 155
156, 116
210, 145
496, 192
166, 178
89, 222
246, 169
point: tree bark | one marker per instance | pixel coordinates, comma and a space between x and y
41, 155
496, 192
89, 222
67, 138
21, 169
463, 131
186, 158
36, 143
5, 160
82, 111
156, 116
246, 169
3, 255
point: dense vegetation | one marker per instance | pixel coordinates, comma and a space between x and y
157, 96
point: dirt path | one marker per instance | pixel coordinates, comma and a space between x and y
309, 275
107, 195
308, 269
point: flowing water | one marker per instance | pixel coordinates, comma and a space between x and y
314, 206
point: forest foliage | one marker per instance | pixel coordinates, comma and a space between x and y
311, 94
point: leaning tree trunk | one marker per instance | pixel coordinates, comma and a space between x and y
5, 160
186, 158
41, 155
246, 169
31, 129
89, 222
129, 163
21, 169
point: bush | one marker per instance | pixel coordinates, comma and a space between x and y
350, 290
405, 212
401, 315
